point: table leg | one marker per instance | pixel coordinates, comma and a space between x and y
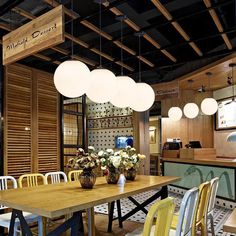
119, 213
24, 226
91, 222
164, 192
110, 216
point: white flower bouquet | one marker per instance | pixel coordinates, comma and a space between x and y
130, 159
109, 159
84, 160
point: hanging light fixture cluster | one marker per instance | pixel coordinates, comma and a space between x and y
73, 79
209, 106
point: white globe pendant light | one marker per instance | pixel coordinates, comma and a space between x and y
103, 84
175, 113
72, 78
121, 95
191, 110
209, 106
142, 97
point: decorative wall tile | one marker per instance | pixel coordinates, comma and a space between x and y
105, 122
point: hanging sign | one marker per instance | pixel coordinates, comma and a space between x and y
41, 33
166, 90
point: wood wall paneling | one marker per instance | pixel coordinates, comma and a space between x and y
31, 121
17, 121
48, 124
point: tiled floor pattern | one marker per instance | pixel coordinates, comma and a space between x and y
220, 213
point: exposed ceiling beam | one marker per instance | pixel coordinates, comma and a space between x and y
176, 25
135, 27
95, 29
218, 24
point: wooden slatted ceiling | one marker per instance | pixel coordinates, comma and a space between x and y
48, 124
135, 27
17, 117
176, 25
218, 24
95, 29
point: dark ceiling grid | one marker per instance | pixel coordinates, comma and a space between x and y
176, 25
98, 31
218, 24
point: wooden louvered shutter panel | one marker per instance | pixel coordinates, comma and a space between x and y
48, 124
17, 120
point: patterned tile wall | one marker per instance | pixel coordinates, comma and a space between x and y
104, 137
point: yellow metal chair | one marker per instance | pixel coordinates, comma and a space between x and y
73, 175
202, 208
161, 213
32, 180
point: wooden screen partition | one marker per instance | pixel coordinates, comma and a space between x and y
31, 122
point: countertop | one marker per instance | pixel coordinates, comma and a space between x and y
224, 162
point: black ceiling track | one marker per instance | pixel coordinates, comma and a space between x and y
9, 5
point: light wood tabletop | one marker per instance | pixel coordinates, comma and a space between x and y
64, 198
230, 224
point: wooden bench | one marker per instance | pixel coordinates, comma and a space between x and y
230, 224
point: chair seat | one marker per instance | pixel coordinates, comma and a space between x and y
139, 232
6, 218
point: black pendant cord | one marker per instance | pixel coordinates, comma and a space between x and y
72, 32
139, 61
121, 49
100, 30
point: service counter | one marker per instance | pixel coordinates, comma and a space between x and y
195, 171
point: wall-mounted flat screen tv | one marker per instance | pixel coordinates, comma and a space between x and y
226, 114
123, 141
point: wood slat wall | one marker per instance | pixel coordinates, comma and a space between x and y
31, 122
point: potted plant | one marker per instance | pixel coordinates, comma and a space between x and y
87, 162
110, 164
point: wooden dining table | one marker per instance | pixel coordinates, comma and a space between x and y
55, 200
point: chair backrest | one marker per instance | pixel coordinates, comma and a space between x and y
73, 175
213, 190
4, 184
186, 213
32, 180
202, 204
163, 211
55, 177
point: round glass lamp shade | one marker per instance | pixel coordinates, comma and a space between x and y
102, 86
72, 78
191, 110
142, 98
209, 106
124, 86
175, 113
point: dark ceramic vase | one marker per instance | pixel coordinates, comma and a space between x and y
112, 176
87, 178
130, 174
